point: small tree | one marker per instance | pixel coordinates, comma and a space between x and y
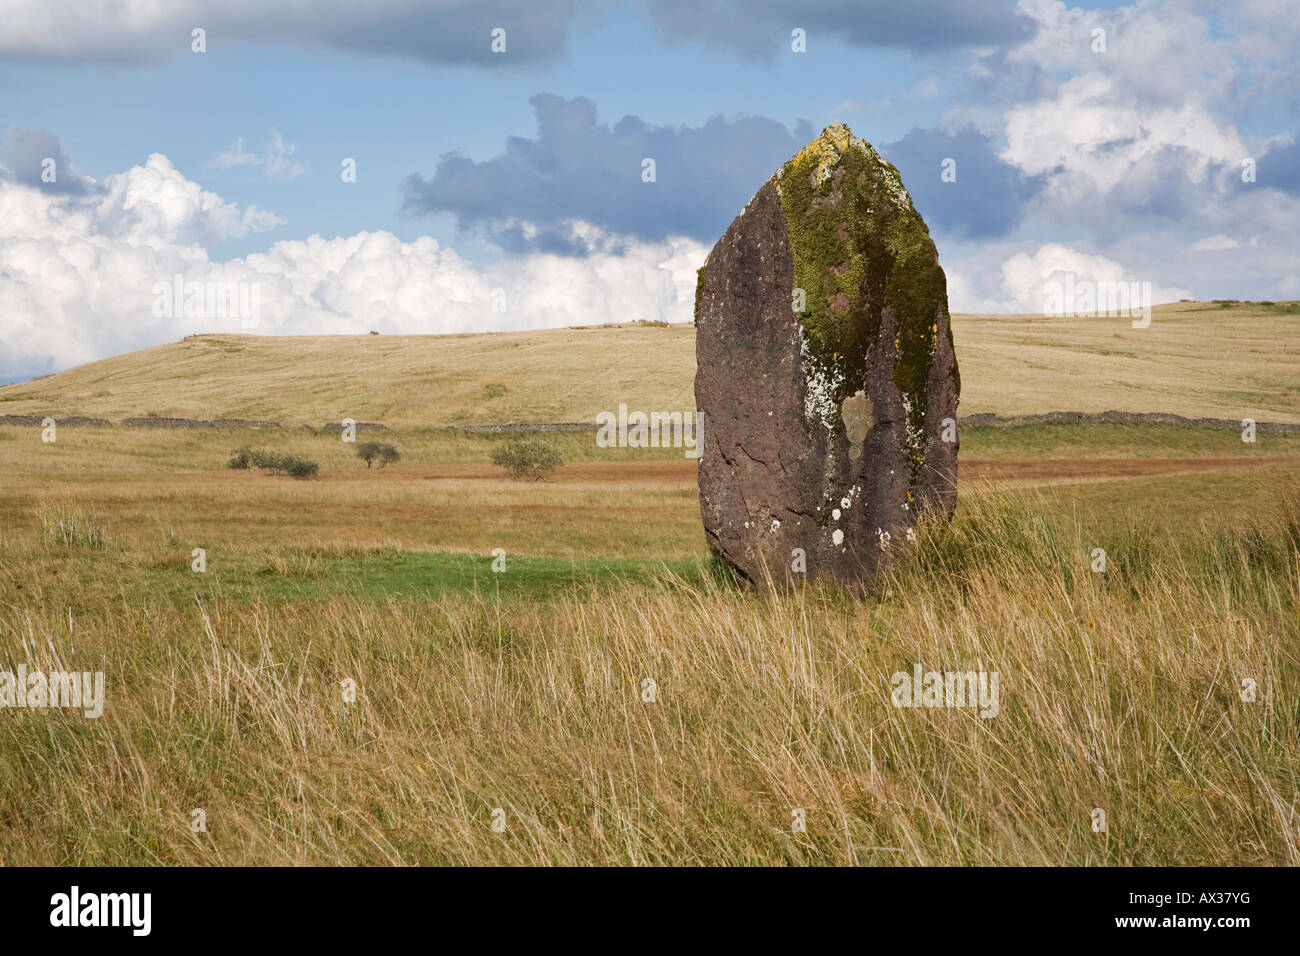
527, 458
372, 451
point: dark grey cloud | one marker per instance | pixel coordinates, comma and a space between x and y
991, 199
758, 29
1168, 188
23, 153
579, 168
989, 196
457, 31
1279, 168
1160, 189
446, 31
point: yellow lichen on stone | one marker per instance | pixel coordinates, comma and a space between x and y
826, 149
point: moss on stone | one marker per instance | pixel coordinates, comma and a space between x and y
859, 245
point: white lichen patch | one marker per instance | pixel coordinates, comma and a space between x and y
893, 182
915, 432
837, 536
819, 388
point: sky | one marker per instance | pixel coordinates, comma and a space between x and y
479, 165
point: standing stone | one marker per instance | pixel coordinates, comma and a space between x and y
825, 370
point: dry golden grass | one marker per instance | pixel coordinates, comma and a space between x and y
556, 375
150, 484
1117, 691
1194, 359
445, 495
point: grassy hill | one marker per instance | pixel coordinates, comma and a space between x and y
1225, 361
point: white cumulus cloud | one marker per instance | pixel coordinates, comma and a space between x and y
79, 275
1094, 135
1020, 284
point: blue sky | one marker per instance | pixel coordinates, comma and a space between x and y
398, 115
479, 171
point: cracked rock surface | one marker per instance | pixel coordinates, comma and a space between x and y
825, 372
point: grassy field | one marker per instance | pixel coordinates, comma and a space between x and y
171, 488
523, 690
350, 680
1196, 359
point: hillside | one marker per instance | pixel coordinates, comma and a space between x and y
1195, 359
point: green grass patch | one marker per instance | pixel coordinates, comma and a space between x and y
101, 582
1119, 440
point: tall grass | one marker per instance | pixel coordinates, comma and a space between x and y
1119, 691
64, 526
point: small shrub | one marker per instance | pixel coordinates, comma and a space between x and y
494, 390
527, 458
276, 464
300, 467
372, 451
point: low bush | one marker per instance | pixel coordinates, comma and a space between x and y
527, 458
276, 464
